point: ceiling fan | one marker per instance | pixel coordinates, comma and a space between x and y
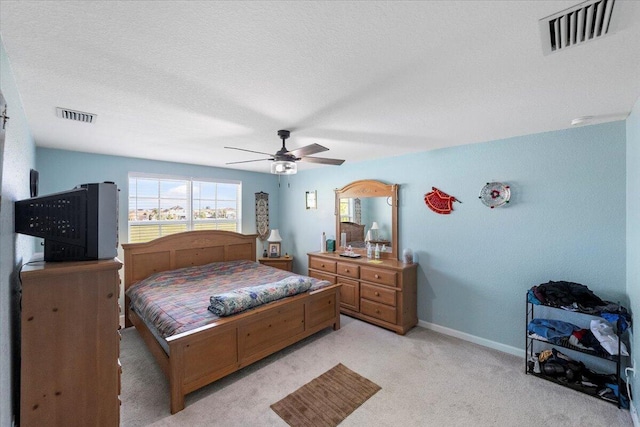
284, 161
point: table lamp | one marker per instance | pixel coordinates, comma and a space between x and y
374, 231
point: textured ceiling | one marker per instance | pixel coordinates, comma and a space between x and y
178, 81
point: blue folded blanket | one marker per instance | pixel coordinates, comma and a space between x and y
238, 300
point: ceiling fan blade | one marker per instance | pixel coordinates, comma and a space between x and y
248, 161
325, 161
250, 151
308, 149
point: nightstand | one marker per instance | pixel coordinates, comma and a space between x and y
282, 263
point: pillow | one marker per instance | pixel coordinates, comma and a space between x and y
238, 300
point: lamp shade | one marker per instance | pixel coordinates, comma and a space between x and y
284, 167
274, 236
374, 231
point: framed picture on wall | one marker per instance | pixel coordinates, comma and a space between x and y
311, 200
274, 249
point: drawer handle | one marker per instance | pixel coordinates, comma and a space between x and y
346, 270
322, 265
377, 311
376, 276
377, 294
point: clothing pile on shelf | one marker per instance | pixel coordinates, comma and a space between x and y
599, 338
576, 297
577, 376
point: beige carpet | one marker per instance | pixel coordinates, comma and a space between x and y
426, 379
327, 400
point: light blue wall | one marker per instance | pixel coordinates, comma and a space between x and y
566, 221
633, 221
62, 170
16, 160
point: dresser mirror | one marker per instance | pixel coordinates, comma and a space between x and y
367, 211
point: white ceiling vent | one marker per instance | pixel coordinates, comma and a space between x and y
78, 116
579, 24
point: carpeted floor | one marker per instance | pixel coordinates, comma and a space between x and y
426, 379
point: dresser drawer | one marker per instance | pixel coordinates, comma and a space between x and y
377, 310
376, 275
322, 276
348, 270
378, 294
322, 264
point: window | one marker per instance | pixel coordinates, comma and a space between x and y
162, 206
351, 210
346, 210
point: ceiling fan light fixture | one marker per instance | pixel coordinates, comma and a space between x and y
283, 167
284, 161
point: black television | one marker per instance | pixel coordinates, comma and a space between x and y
77, 225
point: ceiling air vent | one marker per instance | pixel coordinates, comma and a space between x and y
579, 24
78, 116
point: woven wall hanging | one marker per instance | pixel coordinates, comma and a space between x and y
262, 215
439, 201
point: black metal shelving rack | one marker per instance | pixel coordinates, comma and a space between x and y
529, 353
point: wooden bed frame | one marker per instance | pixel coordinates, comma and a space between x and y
203, 355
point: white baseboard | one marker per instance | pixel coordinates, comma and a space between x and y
634, 414
630, 384
474, 339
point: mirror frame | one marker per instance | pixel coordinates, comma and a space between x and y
370, 188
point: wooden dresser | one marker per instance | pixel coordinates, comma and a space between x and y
70, 372
383, 293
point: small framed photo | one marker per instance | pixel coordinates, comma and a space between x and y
274, 249
311, 200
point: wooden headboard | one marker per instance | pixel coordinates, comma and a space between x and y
355, 232
184, 250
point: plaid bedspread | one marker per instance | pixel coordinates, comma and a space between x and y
177, 301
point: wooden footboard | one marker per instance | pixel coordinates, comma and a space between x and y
203, 355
